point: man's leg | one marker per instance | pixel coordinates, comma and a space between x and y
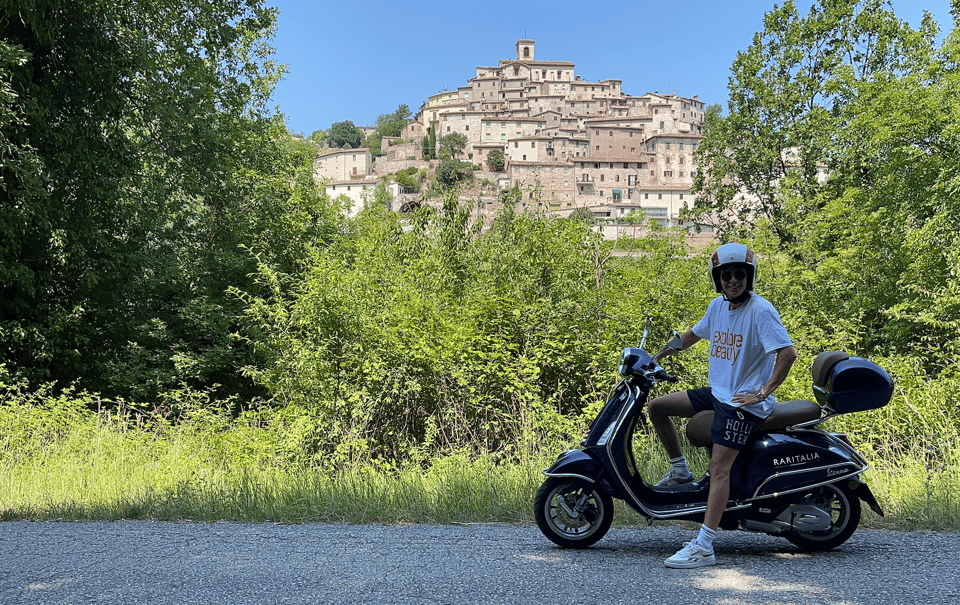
721, 461
699, 552
661, 410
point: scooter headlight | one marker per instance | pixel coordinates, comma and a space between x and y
632, 361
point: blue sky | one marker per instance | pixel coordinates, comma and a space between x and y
357, 60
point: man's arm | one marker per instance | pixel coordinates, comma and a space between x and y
781, 368
688, 339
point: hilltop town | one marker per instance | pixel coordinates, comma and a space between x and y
567, 142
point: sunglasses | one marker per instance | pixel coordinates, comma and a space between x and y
739, 274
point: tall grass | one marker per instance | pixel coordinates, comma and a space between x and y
59, 460
63, 459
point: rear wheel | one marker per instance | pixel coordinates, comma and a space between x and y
572, 513
843, 506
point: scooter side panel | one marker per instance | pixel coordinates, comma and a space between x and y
778, 463
576, 464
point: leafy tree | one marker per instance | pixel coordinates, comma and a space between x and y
452, 145
344, 135
139, 159
390, 125
835, 152
452, 172
495, 160
713, 112
406, 179
423, 332
761, 163
429, 146
584, 215
318, 137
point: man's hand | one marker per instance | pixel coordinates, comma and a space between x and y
748, 398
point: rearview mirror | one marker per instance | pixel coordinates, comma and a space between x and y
676, 343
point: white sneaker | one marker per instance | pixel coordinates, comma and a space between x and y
690, 556
675, 478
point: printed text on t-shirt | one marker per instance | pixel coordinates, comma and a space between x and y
726, 345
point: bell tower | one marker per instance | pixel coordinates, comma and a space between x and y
525, 50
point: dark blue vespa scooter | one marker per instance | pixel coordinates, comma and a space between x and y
792, 480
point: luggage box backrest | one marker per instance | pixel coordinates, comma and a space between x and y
847, 384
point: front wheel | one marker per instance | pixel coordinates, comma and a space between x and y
844, 508
572, 513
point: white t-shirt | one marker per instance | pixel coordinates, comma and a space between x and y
743, 347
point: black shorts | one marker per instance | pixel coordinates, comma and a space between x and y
731, 426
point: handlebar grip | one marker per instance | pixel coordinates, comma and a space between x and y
662, 375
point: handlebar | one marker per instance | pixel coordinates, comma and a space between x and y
662, 376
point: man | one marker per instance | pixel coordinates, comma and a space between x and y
750, 356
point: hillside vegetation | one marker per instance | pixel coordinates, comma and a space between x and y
189, 329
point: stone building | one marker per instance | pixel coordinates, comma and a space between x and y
343, 164
347, 173
568, 143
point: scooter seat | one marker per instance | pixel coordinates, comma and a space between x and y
785, 413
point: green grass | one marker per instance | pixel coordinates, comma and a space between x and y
62, 462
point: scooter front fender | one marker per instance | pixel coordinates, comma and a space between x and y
576, 464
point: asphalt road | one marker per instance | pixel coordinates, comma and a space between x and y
232, 563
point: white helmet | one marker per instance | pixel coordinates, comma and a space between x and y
733, 254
